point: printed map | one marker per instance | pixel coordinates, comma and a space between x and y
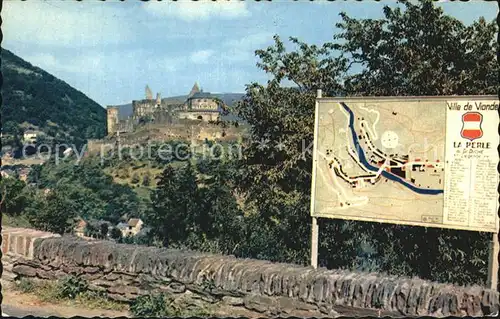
391, 161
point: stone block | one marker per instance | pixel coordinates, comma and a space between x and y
123, 290
5, 243
43, 274
176, 287
118, 297
24, 270
103, 283
96, 288
259, 303
233, 301
90, 270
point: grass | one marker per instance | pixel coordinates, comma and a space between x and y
161, 305
73, 292
52, 292
125, 173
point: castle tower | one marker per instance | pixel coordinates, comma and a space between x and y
112, 119
194, 90
149, 94
158, 99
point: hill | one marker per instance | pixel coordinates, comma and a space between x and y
35, 99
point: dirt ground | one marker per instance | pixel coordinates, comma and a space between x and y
18, 304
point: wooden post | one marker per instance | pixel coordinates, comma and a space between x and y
314, 227
493, 263
314, 243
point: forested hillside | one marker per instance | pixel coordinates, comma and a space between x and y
38, 99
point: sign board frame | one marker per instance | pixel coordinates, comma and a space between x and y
392, 99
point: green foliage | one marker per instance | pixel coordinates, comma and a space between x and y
72, 291
53, 212
15, 196
208, 285
90, 230
152, 306
163, 305
103, 230
115, 234
129, 239
94, 193
70, 287
174, 205
25, 285
31, 94
193, 207
419, 51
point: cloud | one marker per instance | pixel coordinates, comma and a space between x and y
167, 64
201, 57
63, 24
252, 41
244, 49
198, 10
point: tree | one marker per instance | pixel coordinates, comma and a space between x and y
220, 220
419, 51
14, 196
95, 194
115, 234
53, 212
174, 202
91, 230
103, 230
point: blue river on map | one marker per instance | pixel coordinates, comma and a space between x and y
392, 177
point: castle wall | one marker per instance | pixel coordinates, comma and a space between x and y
124, 272
203, 104
111, 119
144, 107
193, 115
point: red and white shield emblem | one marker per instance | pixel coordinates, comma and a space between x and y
471, 125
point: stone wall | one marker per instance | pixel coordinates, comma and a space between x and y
111, 119
18, 244
128, 271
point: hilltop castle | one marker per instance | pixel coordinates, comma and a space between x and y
197, 105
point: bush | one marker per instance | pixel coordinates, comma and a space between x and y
99, 300
70, 287
25, 285
115, 234
152, 306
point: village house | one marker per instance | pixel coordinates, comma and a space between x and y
23, 174
79, 229
133, 226
30, 136
7, 173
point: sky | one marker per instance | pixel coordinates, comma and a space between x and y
111, 50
